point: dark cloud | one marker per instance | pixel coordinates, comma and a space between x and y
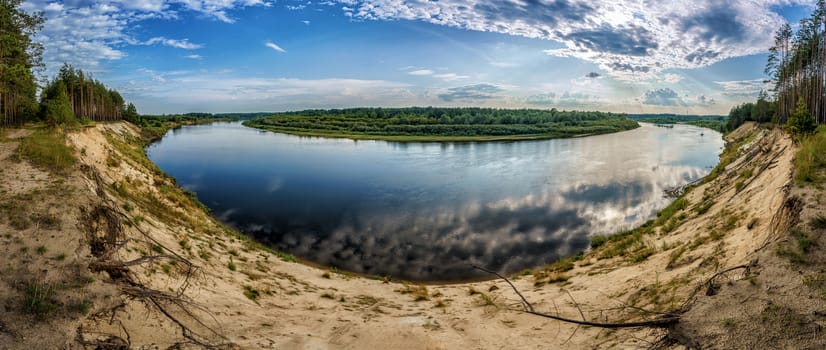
534, 12
471, 92
662, 97
702, 56
705, 101
592, 75
630, 41
718, 24
626, 67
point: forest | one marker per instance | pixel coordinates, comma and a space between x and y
713, 122
436, 123
71, 97
796, 68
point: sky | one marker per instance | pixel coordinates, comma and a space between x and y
647, 56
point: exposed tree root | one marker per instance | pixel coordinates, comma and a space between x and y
106, 237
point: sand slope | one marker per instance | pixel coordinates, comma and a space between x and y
241, 296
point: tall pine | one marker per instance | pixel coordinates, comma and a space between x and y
19, 55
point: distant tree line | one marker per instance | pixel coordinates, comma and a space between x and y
437, 121
713, 122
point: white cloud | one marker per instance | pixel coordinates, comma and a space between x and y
450, 76
635, 40
672, 78
275, 47
86, 33
421, 72
195, 57
743, 87
216, 91
180, 44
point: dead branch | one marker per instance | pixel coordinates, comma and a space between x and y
664, 321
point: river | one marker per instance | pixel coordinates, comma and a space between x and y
427, 211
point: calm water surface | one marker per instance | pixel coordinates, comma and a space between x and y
426, 211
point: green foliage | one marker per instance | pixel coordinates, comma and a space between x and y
56, 107
627, 244
18, 55
801, 123
762, 111
131, 114
46, 149
713, 122
443, 124
664, 215
810, 162
598, 240
85, 97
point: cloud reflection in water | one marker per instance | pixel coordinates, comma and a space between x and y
429, 211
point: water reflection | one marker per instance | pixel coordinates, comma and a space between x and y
426, 211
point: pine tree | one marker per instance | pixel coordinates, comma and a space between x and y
801, 123
18, 56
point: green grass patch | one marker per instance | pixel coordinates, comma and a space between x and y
704, 207
47, 149
39, 299
664, 215
810, 162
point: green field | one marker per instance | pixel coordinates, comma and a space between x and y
443, 124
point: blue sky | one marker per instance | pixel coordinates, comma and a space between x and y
172, 56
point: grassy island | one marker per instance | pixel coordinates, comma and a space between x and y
443, 124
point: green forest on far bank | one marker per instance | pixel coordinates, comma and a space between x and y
443, 124
713, 122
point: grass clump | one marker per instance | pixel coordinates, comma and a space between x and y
664, 215
704, 207
811, 158
251, 293
47, 149
598, 240
797, 253
39, 299
728, 323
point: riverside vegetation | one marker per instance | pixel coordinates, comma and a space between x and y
443, 124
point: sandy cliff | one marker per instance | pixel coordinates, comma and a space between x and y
146, 266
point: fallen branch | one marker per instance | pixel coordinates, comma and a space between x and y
665, 321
